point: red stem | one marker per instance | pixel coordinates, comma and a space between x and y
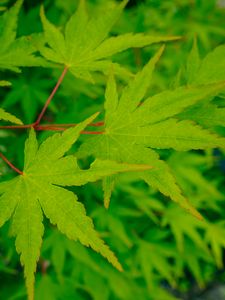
10, 164
55, 127
101, 123
51, 97
17, 126
92, 132
45, 126
97, 124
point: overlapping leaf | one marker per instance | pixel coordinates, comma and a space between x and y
8, 117
201, 114
205, 71
133, 130
15, 52
215, 237
191, 177
39, 190
29, 92
153, 255
183, 225
193, 259
84, 47
211, 67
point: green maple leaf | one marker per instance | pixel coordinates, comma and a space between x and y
211, 67
215, 237
59, 245
39, 190
25, 90
201, 115
193, 259
112, 224
15, 52
84, 47
190, 176
183, 225
153, 255
208, 70
193, 63
132, 130
47, 289
8, 117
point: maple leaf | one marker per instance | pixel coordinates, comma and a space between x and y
8, 117
84, 47
215, 237
115, 226
15, 53
25, 90
47, 289
193, 259
133, 130
209, 69
183, 225
39, 190
59, 245
201, 115
153, 255
90, 268
190, 175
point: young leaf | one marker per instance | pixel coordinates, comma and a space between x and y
201, 115
8, 117
84, 47
15, 53
212, 67
131, 130
40, 190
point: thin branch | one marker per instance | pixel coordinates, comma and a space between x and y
51, 97
97, 124
101, 123
53, 128
10, 164
92, 132
48, 126
17, 126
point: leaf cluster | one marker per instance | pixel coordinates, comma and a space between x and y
154, 142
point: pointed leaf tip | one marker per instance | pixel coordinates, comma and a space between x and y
42, 12
124, 3
192, 210
95, 115
18, 3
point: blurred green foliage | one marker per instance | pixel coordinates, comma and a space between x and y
166, 254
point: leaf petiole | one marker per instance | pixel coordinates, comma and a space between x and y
48, 126
51, 97
10, 164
